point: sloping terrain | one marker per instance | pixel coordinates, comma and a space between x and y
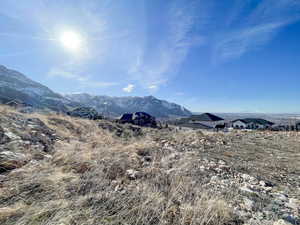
59, 170
16, 86
116, 106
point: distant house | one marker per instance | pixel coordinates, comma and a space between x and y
138, 118
202, 121
126, 118
205, 117
196, 126
251, 123
298, 126
16, 104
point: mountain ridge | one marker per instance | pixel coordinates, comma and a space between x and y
16, 86
115, 106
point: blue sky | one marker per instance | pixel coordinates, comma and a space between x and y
208, 55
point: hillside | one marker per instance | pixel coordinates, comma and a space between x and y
16, 86
115, 106
58, 170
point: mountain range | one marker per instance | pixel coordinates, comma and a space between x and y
114, 106
16, 86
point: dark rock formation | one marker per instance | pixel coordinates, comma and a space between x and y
86, 113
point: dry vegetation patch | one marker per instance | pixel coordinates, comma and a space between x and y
100, 172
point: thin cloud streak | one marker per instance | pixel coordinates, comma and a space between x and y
83, 80
25, 37
237, 44
259, 28
169, 54
11, 54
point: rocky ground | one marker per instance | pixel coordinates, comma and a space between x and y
60, 170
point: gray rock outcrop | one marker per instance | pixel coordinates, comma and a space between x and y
85, 112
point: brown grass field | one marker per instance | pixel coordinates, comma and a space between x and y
99, 172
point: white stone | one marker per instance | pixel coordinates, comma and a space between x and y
246, 189
262, 183
132, 174
281, 222
248, 204
12, 136
293, 203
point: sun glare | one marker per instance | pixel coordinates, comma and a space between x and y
71, 40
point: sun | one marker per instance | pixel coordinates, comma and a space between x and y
71, 40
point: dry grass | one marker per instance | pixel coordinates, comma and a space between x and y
86, 180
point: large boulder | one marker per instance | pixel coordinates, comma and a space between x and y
86, 113
139, 118
18, 133
11, 160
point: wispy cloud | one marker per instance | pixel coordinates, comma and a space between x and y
155, 69
22, 36
249, 39
180, 93
59, 72
153, 87
255, 30
84, 81
129, 88
12, 54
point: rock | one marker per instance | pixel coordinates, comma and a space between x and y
221, 162
40, 134
293, 203
10, 160
248, 204
2, 178
214, 179
133, 174
12, 136
282, 222
292, 220
148, 158
247, 177
246, 189
280, 197
86, 113
262, 183
3, 137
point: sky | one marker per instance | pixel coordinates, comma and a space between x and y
207, 55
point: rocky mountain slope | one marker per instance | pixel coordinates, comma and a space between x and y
115, 106
60, 170
16, 86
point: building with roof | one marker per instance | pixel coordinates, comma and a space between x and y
16, 104
298, 126
139, 118
251, 123
202, 121
205, 117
